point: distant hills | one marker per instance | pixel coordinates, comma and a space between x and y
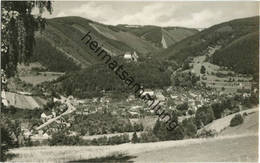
59, 47
238, 40
62, 37
154, 34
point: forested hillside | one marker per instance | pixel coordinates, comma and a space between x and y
62, 36
240, 55
227, 35
154, 34
53, 58
92, 80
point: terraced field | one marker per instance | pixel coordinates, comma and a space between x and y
213, 81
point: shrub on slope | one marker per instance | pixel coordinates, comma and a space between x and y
236, 120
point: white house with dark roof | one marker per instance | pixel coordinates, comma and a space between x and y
131, 56
148, 91
4, 99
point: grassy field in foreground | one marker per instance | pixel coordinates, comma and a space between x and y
237, 149
233, 147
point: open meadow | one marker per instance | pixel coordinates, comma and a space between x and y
24, 101
37, 79
150, 152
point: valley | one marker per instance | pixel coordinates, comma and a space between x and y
66, 105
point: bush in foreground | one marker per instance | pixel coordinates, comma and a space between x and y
135, 138
62, 138
162, 133
206, 133
148, 137
190, 129
236, 120
204, 115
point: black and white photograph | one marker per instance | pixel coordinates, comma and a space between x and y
129, 81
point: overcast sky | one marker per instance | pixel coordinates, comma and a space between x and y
186, 14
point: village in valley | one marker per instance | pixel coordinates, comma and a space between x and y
64, 104
209, 88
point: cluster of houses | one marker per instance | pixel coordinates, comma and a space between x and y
4, 99
193, 99
133, 105
60, 109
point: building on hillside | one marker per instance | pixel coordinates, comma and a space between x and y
95, 100
105, 100
70, 98
130, 98
53, 113
173, 96
4, 100
131, 56
27, 133
255, 90
169, 89
245, 95
148, 91
135, 108
134, 113
135, 56
193, 95
61, 100
128, 56
43, 115
159, 96
56, 99
45, 135
45, 118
